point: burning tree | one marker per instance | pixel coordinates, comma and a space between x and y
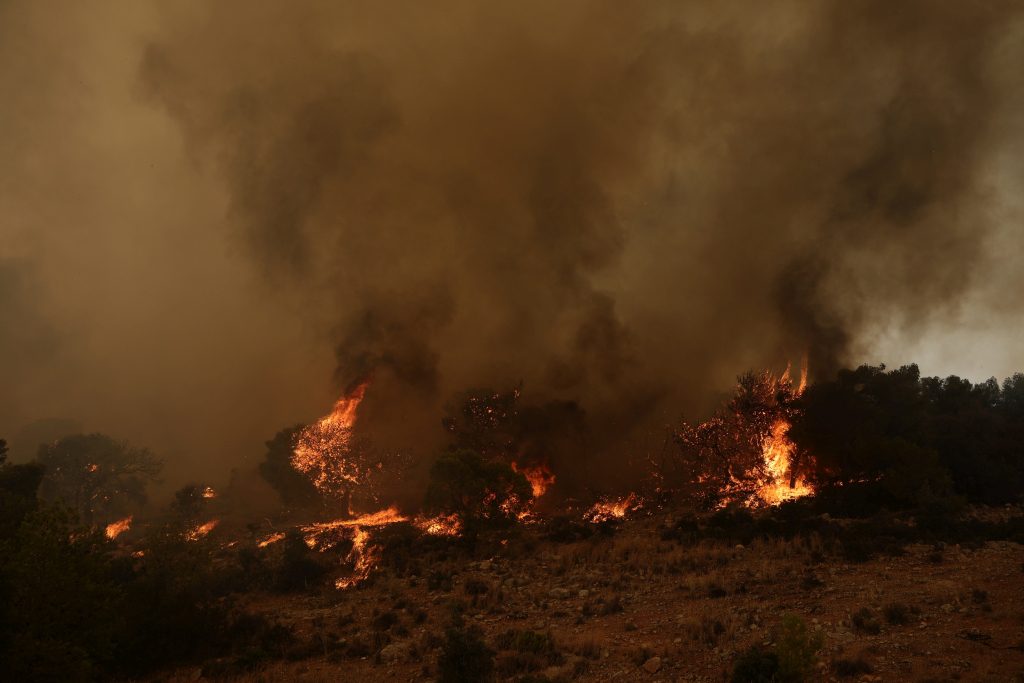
465, 483
500, 428
743, 454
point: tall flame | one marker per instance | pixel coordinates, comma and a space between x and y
321, 447
779, 483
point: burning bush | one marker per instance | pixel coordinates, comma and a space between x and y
743, 453
463, 482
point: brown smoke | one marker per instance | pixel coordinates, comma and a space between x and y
618, 205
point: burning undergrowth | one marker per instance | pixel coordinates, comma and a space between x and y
501, 468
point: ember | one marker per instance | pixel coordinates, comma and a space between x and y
202, 530
603, 511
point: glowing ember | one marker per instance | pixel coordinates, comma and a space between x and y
602, 511
115, 529
209, 493
92, 467
539, 476
321, 448
202, 530
272, 538
442, 525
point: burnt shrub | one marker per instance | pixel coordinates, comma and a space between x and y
897, 614
685, 530
476, 587
565, 529
465, 658
756, 665
385, 620
399, 544
850, 668
525, 652
732, 523
298, 567
438, 580
864, 620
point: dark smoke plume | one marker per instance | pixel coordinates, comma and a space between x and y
618, 205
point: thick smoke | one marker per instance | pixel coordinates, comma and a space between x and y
622, 206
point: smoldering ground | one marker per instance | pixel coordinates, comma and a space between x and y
618, 206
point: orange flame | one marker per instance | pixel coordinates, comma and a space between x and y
605, 510
321, 447
115, 529
272, 538
208, 492
540, 477
442, 525
364, 558
778, 485
202, 530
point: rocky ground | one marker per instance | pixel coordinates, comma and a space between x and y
628, 606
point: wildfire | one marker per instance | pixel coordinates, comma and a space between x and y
208, 492
272, 538
605, 510
201, 530
778, 484
321, 447
539, 476
115, 529
442, 525
363, 557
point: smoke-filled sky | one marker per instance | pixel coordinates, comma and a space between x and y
215, 216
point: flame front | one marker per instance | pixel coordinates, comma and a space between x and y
605, 510
202, 530
540, 477
321, 448
778, 485
115, 529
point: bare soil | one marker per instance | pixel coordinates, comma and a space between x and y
633, 607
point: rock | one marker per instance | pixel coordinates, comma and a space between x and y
584, 593
653, 665
558, 593
739, 546
395, 653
